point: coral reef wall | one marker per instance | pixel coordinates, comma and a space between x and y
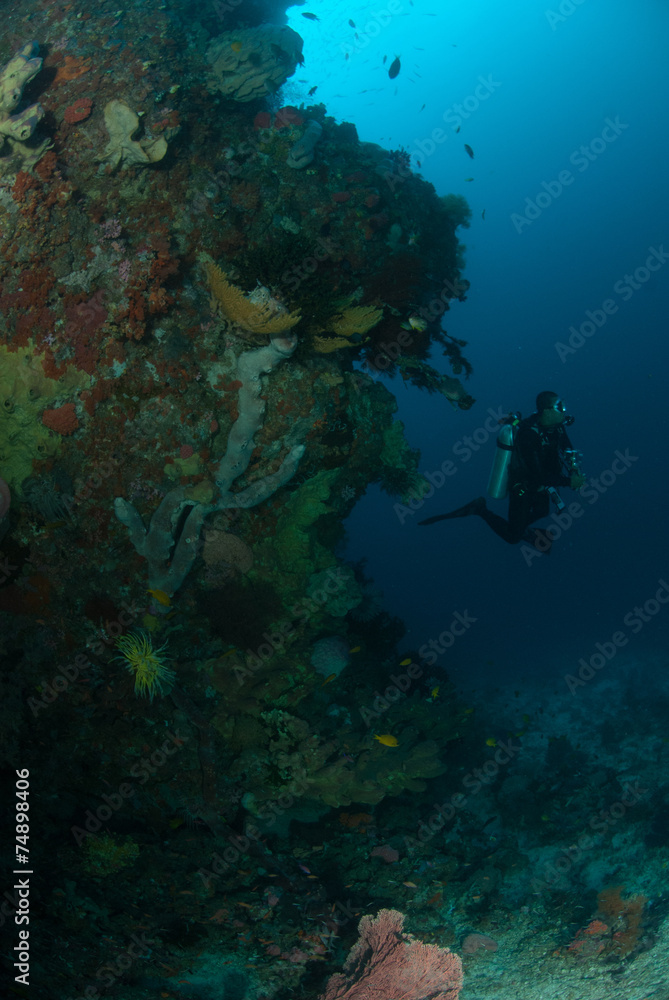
198, 288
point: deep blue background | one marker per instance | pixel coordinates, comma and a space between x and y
557, 86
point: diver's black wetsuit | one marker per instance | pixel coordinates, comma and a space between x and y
537, 460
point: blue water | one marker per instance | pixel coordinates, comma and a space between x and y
593, 78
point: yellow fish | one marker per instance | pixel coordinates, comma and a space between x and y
405, 663
236, 46
160, 596
356, 649
468, 179
328, 679
388, 740
434, 693
491, 742
414, 323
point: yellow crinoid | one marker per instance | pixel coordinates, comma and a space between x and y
257, 313
146, 663
344, 325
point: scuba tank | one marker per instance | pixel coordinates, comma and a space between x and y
498, 484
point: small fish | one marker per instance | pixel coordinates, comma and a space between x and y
422, 109
417, 323
468, 711
384, 60
406, 662
356, 649
312, 91
311, 17
483, 214
395, 67
388, 740
469, 151
434, 693
329, 679
468, 179
236, 46
160, 596
410, 885
457, 129
229, 652
491, 742
304, 869
545, 817
352, 23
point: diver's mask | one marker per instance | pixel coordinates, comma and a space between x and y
560, 407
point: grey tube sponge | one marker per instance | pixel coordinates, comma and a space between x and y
302, 153
250, 366
171, 542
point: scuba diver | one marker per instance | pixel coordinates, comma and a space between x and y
534, 457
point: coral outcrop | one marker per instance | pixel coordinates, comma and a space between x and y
253, 62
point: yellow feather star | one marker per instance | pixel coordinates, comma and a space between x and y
146, 663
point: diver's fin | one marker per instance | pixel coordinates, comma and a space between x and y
473, 507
